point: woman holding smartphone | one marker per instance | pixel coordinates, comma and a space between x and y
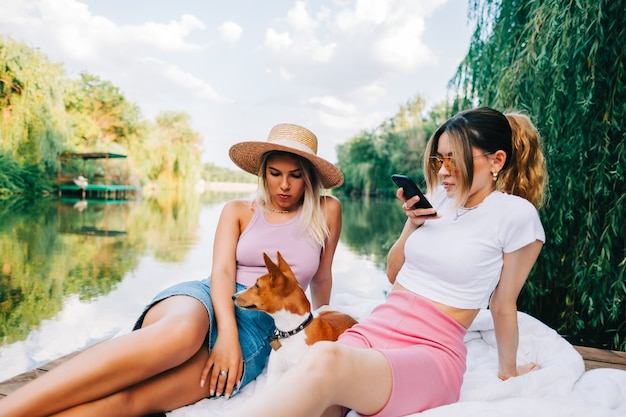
485, 173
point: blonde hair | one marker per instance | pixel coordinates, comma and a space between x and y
528, 176
312, 219
524, 171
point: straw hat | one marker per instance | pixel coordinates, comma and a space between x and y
287, 138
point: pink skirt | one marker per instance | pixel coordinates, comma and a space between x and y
424, 347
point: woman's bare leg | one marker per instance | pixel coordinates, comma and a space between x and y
172, 389
173, 332
329, 374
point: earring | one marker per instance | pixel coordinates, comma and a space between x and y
495, 176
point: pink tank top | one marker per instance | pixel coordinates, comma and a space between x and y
299, 250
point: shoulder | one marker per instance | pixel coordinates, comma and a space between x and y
330, 202
238, 209
330, 205
238, 205
513, 204
517, 219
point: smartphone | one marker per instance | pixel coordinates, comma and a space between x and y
410, 190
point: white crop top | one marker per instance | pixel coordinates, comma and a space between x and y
457, 259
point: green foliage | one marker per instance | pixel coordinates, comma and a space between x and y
100, 114
563, 64
15, 178
213, 173
43, 113
32, 123
396, 146
174, 151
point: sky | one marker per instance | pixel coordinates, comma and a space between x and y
239, 67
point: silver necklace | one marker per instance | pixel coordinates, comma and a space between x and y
464, 211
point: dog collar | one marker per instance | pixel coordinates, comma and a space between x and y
279, 334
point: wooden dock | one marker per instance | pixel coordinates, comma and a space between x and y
601, 358
100, 185
99, 191
594, 358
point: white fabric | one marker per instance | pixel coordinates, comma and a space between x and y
561, 388
458, 261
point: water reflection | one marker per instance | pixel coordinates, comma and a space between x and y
371, 226
53, 253
74, 274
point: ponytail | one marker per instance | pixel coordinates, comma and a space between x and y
526, 175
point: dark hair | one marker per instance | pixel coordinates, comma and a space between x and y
488, 130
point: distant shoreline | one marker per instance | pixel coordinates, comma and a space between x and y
230, 186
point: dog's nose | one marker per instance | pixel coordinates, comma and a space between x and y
234, 296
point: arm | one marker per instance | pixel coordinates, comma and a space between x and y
395, 257
503, 306
226, 353
321, 283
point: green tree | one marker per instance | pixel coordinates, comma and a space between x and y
214, 173
33, 126
101, 115
174, 149
563, 64
44, 113
395, 146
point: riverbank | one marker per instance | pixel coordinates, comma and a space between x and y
235, 187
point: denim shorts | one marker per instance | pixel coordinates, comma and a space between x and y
255, 327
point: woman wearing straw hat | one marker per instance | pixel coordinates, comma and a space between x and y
191, 342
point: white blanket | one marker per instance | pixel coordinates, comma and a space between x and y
560, 388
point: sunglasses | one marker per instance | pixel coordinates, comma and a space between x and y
436, 162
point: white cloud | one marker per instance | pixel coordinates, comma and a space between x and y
299, 19
369, 93
180, 80
400, 46
377, 39
373, 11
277, 41
169, 37
193, 84
230, 32
335, 104
70, 24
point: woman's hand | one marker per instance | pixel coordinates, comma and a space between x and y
529, 367
224, 368
521, 370
416, 216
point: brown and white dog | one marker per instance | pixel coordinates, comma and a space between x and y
279, 294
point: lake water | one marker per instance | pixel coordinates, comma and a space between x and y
75, 274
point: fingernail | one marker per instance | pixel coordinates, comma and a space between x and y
202, 383
227, 396
211, 392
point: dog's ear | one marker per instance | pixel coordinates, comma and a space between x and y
272, 268
282, 263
